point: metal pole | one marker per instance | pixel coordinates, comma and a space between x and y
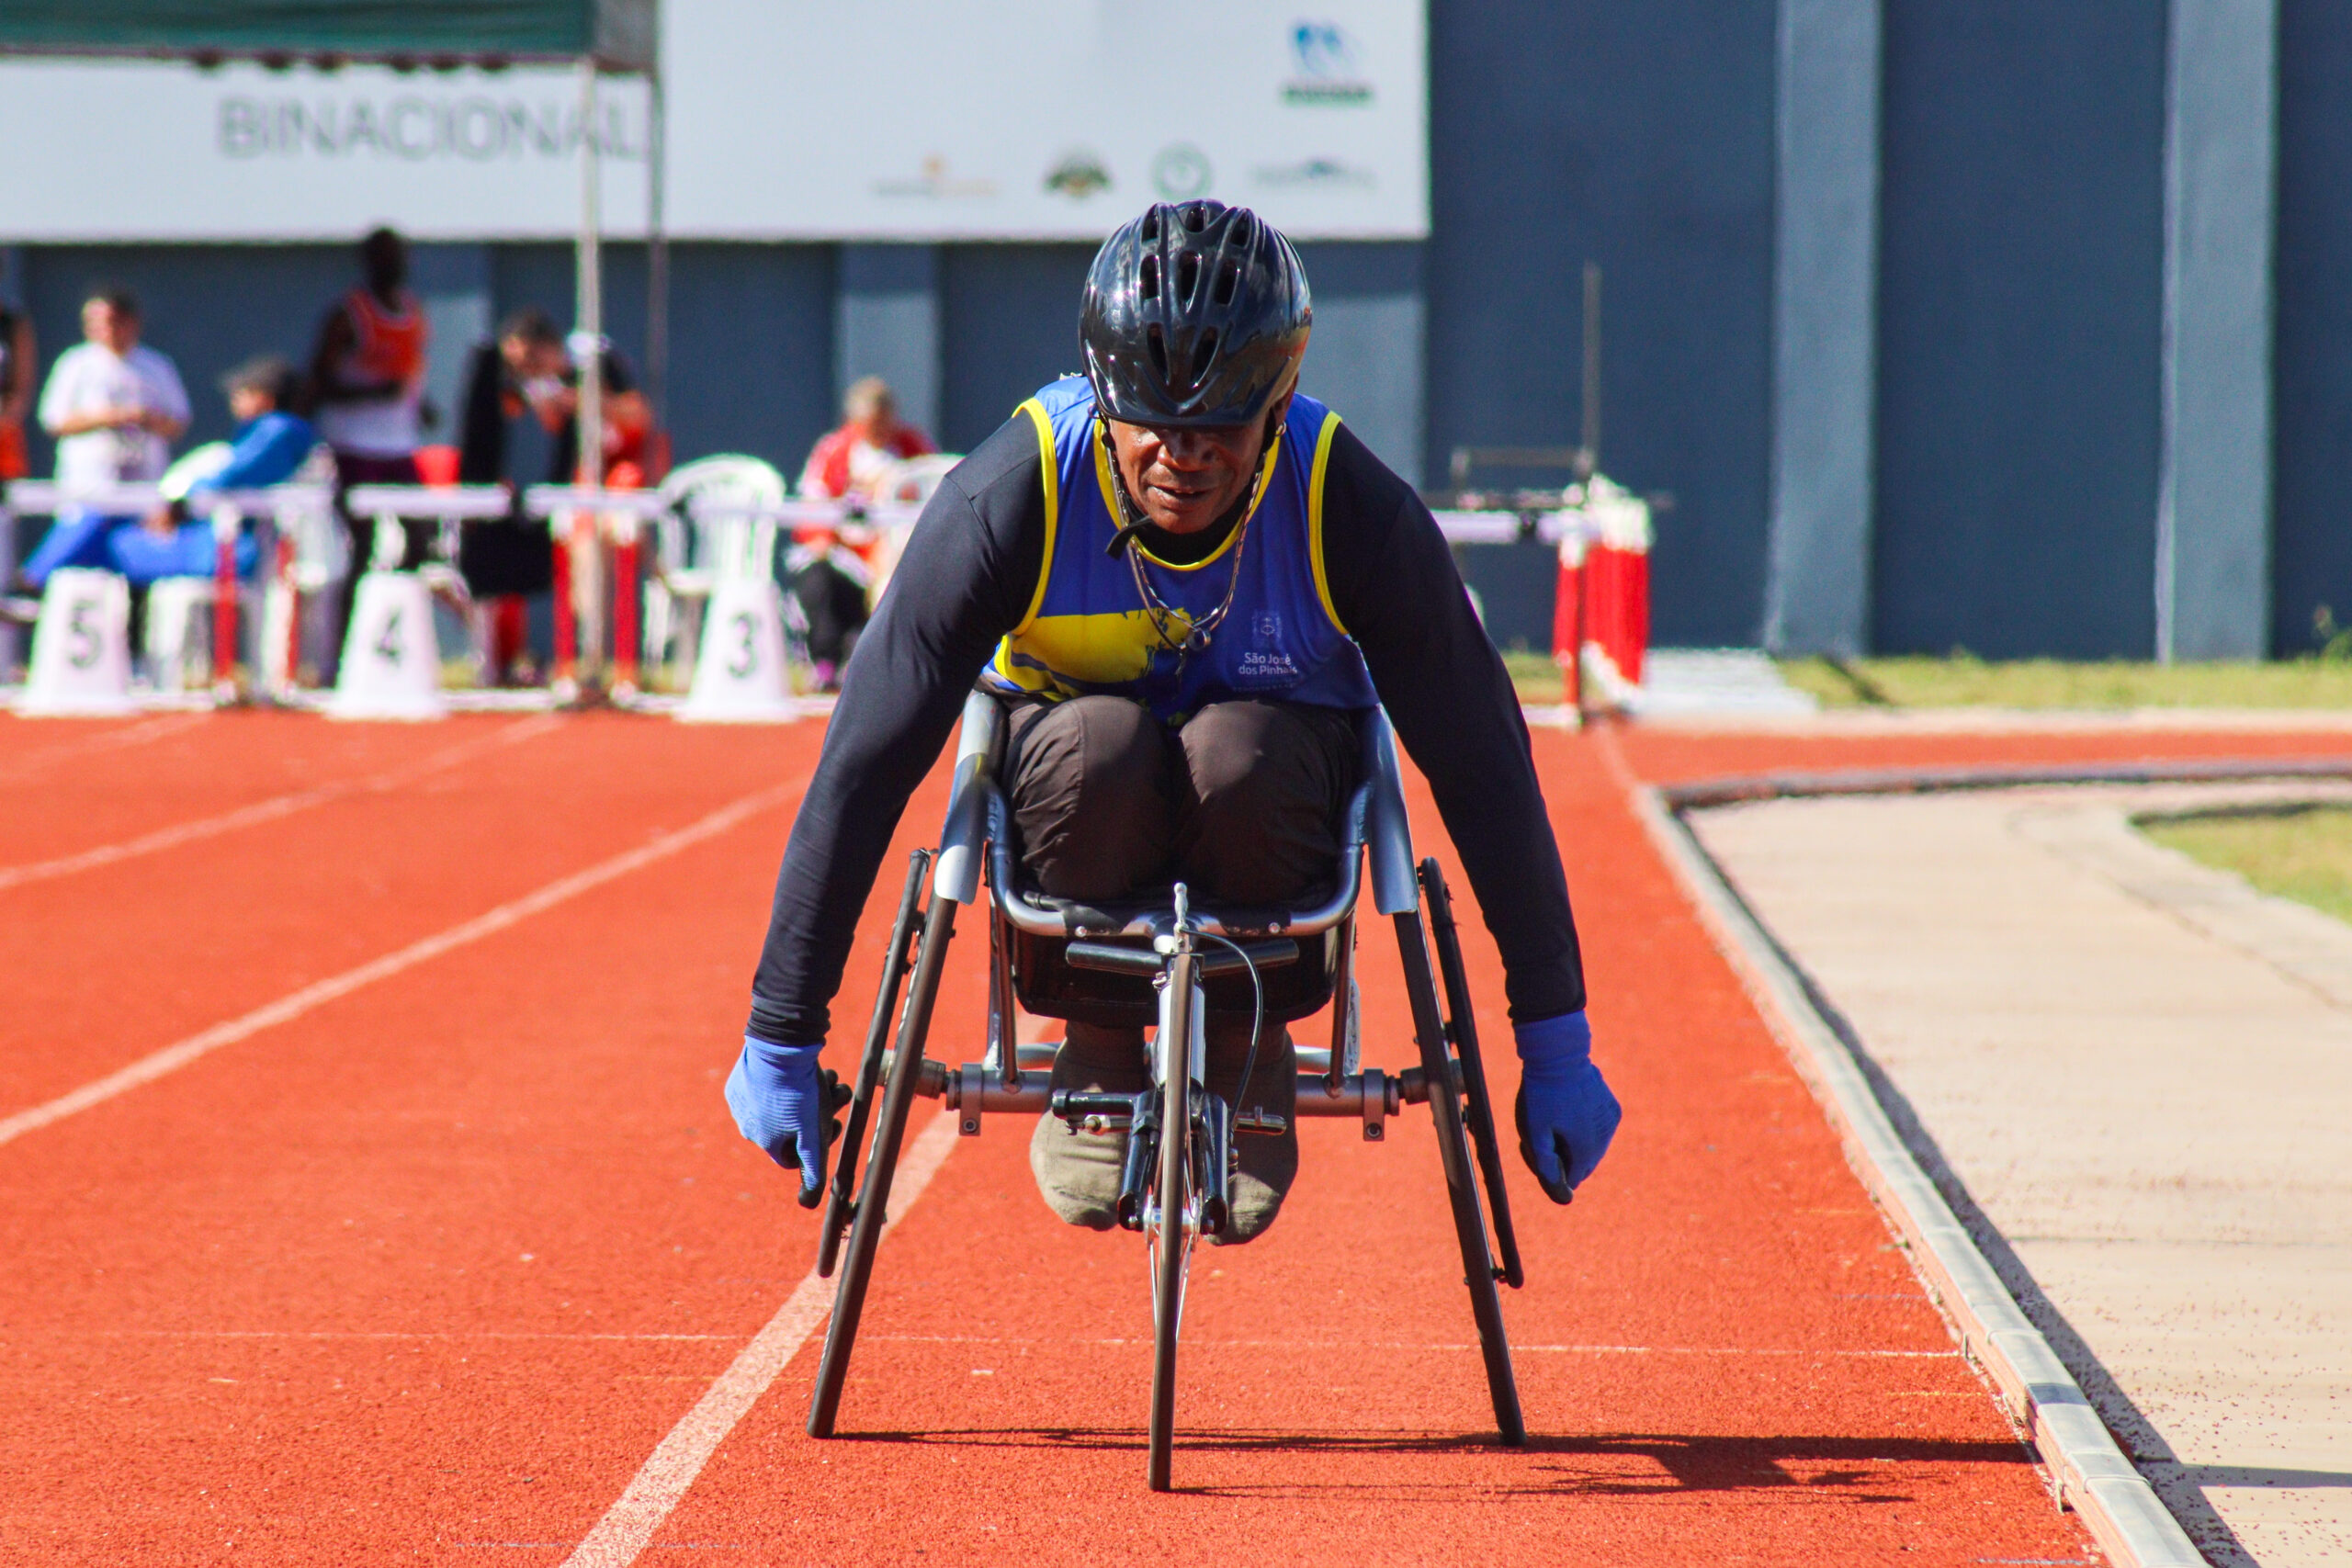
588, 337
657, 249
1589, 458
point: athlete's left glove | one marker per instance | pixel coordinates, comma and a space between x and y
1567, 1114
783, 1103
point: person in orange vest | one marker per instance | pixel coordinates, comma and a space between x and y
366, 394
16, 356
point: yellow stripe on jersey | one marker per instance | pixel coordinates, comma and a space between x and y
1049, 462
1315, 514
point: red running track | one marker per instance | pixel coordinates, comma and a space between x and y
427, 1271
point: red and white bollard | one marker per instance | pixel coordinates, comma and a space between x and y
225, 524
1600, 621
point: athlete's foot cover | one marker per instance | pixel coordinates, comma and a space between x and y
1078, 1172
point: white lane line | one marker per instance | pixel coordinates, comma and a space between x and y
629, 1525
138, 734
171, 1058
380, 1333
266, 810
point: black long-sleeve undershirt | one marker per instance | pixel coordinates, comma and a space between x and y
965, 579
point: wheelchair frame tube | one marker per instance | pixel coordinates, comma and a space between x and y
1388, 836
964, 839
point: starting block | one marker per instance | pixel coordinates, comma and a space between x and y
81, 665
391, 660
740, 675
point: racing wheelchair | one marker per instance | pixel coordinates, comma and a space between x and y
1166, 962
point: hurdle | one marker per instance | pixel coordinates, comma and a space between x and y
1600, 604
226, 511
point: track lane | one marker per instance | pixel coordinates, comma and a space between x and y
114, 963
196, 766
269, 809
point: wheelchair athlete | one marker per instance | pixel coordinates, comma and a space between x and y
1187, 580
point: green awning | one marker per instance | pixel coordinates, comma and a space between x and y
618, 34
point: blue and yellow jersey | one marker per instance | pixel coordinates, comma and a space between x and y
1087, 629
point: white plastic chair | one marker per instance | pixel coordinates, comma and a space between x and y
693, 549
909, 485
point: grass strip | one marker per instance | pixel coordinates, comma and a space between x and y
2302, 852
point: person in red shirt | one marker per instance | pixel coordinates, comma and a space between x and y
832, 580
858, 457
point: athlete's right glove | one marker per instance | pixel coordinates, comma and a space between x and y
1567, 1114
781, 1103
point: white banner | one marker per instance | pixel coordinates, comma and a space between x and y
789, 119
1044, 119
152, 150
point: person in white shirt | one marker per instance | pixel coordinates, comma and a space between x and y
115, 408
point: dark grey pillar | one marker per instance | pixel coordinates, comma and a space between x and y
457, 287
888, 324
2213, 566
1818, 575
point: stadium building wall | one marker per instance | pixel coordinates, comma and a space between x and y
1928, 323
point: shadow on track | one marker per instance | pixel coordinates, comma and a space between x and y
1682, 1463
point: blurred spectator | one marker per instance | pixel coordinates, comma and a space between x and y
857, 459
854, 462
527, 370
16, 360
541, 373
367, 395
368, 370
271, 442
115, 408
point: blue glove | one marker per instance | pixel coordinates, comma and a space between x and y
779, 1101
1566, 1115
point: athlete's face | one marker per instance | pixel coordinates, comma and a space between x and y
1185, 480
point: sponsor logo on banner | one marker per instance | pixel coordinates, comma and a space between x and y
1079, 175
1324, 71
1325, 173
934, 183
415, 127
1181, 172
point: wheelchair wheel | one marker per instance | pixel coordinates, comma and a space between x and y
1478, 1270
873, 1204
1172, 1234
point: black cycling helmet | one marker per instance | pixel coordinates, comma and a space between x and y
1196, 314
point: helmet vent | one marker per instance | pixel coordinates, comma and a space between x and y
1241, 234
1150, 230
1149, 289
1155, 343
1188, 278
1202, 354
1228, 278
1196, 217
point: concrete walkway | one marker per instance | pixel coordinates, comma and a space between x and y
2136, 1073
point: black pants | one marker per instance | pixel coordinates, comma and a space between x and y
833, 604
1242, 804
